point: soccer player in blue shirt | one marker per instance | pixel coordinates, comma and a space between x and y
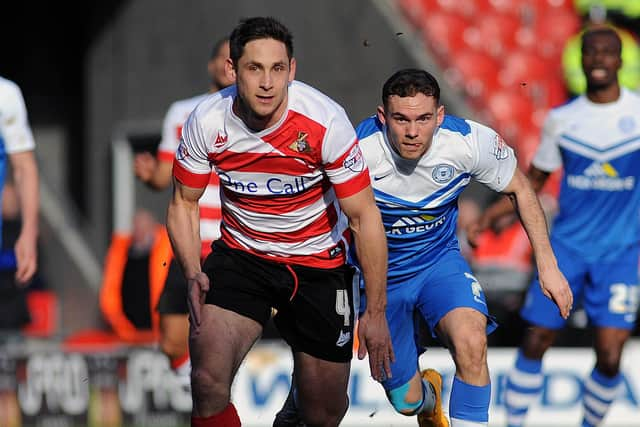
420, 160
596, 235
16, 144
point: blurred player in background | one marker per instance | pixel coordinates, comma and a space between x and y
629, 73
420, 161
16, 140
596, 234
134, 277
156, 173
293, 184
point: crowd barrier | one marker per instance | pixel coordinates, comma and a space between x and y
135, 387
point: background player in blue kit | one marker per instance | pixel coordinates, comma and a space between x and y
420, 161
596, 236
17, 149
17, 144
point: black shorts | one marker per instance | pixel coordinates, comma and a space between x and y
14, 312
315, 306
173, 299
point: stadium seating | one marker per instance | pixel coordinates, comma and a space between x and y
495, 34
556, 27
475, 71
503, 54
523, 69
510, 112
444, 33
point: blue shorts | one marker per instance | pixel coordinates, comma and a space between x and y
607, 290
435, 291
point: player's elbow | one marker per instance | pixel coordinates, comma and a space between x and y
24, 166
355, 224
365, 218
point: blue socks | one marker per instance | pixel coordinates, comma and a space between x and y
524, 385
598, 394
469, 404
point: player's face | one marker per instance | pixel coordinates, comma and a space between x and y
217, 69
263, 74
601, 60
411, 122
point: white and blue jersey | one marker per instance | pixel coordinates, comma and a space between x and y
598, 145
419, 205
596, 235
15, 134
419, 199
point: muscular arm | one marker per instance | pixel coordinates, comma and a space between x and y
183, 224
25, 176
371, 244
505, 205
153, 172
526, 203
523, 198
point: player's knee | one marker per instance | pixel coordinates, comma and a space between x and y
402, 401
537, 341
473, 342
329, 412
608, 362
470, 348
208, 388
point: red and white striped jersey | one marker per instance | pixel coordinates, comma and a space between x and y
210, 213
279, 186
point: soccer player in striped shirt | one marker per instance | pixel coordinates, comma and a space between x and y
295, 193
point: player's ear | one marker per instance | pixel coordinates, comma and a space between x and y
229, 69
292, 69
380, 113
440, 115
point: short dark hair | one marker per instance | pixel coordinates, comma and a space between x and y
215, 50
258, 28
409, 82
602, 31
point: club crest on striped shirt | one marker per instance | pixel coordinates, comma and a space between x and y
182, 152
300, 144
